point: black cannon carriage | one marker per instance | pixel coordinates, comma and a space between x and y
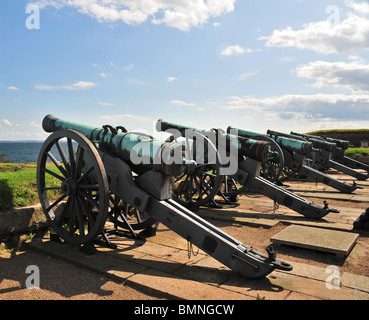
109, 173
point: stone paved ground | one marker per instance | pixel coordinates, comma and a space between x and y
160, 267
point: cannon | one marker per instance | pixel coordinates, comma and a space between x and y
249, 162
109, 173
335, 157
296, 153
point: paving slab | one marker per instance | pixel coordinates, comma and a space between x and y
331, 241
150, 267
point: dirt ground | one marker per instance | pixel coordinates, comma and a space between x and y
59, 281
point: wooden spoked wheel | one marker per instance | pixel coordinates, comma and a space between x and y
127, 217
272, 168
73, 186
230, 187
198, 187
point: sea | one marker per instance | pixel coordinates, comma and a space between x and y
24, 152
21, 152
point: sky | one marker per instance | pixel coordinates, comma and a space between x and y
287, 65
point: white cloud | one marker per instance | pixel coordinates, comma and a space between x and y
46, 87
35, 124
362, 7
6, 123
347, 37
182, 103
54, 3
171, 79
235, 50
139, 82
105, 104
244, 76
353, 76
314, 107
80, 85
332, 124
102, 74
125, 117
12, 88
287, 59
177, 14
129, 67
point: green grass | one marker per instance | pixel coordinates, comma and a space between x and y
11, 167
357, 152
338, 131
18, 185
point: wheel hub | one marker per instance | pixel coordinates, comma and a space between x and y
69, 187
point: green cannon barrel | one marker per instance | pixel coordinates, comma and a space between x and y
318, 142
134, 148
253, 148
343, 144
289, 144
306, 136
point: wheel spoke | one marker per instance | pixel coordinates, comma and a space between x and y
64, 158
79, 161
64, 213
81, 226
73, 217
71, 156
50, 188
180, 177
198, 188
56, 202
205, 184
53, 174
91, 219
138, 215
208, 174
89, 186
57, 164
191, 188
86, 174
89, 199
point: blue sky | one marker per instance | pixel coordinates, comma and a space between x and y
257, 65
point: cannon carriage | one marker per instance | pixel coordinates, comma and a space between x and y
109, 173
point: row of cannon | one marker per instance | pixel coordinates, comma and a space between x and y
136, 181
264, 162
